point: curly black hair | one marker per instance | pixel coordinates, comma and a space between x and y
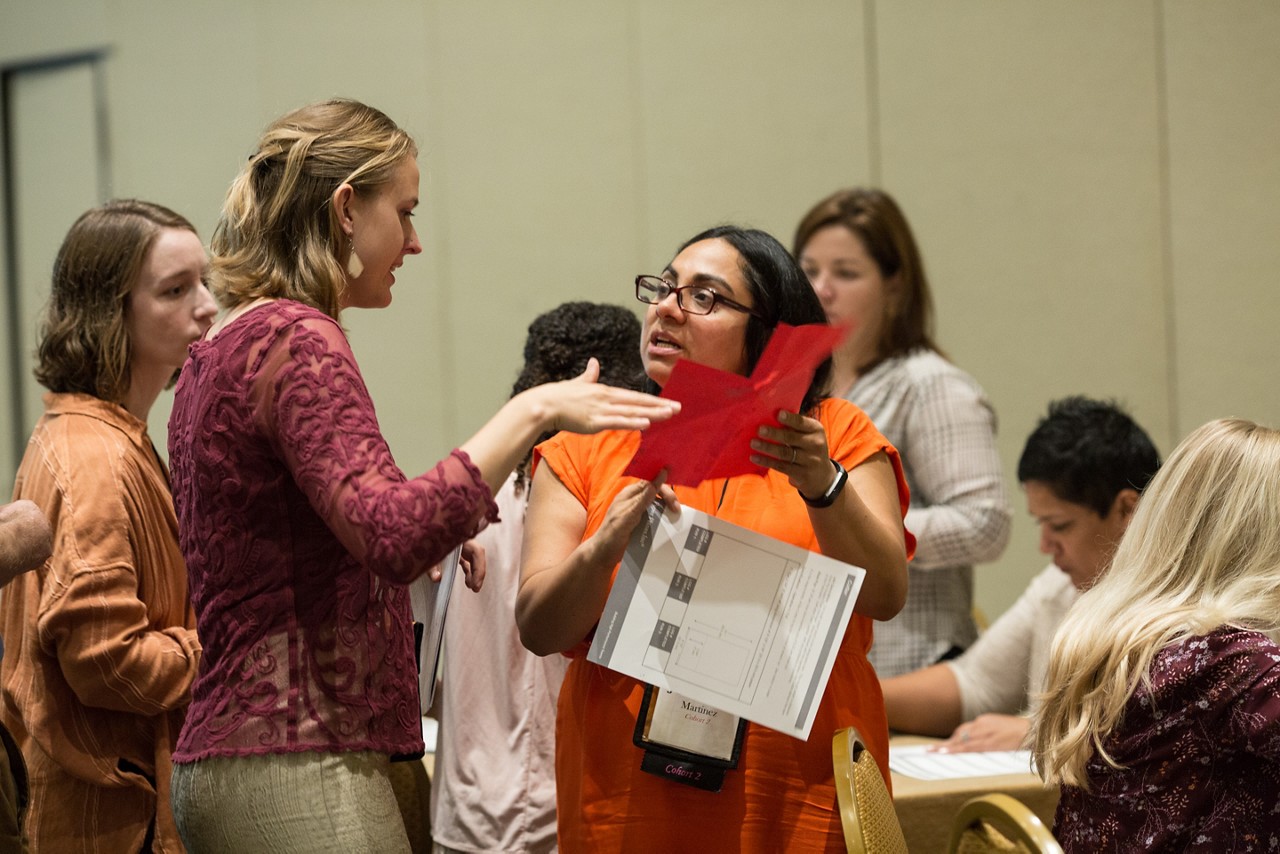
1086, 451
562, 340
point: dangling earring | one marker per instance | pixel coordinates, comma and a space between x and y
354, 265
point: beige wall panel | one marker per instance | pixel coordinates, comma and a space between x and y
747, 117
377, 52
1224, 153
535, 171
38, 29
184, 82
1022, 141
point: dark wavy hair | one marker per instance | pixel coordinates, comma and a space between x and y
1086, 451
780, 292
561, 341
84, 344
875, 218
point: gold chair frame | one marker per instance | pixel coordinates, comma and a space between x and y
1009, 817
866, 810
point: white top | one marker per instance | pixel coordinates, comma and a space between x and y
944, 427
1005, 670
494, 783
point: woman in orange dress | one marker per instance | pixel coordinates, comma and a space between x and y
833, 485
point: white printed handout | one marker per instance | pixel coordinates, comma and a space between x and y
738, 620
924, 763
430, 601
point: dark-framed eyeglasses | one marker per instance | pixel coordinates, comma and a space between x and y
692, 299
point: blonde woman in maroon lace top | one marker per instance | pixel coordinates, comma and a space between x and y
299, 530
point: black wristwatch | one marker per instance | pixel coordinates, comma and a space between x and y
829, 497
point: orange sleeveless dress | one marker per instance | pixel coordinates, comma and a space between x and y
781, 797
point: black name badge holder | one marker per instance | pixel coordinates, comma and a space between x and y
679, 765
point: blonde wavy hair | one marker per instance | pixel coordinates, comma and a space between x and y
278, 235
1202, 552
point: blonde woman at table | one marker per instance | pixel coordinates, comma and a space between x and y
861, 257
1082, 469
299, 529
832, 484
1161, 720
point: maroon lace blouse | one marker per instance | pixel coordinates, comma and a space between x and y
1202, 756
299, 534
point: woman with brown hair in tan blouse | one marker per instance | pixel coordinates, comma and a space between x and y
100, 642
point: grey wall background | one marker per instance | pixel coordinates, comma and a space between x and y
1095, 185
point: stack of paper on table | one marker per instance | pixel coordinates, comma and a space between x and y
923, 763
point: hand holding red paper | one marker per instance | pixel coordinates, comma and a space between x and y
721, 413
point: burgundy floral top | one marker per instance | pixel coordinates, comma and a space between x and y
1201, 752
299, 533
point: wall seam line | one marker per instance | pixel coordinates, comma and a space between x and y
873, 92
1165, 168
644, 248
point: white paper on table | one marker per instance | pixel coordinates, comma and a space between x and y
922, 763
731, 618
429, 601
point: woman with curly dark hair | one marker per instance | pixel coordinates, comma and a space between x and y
494, 783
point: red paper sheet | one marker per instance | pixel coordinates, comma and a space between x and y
722, 412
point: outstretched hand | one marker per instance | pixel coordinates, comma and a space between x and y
584, 405
579, 405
